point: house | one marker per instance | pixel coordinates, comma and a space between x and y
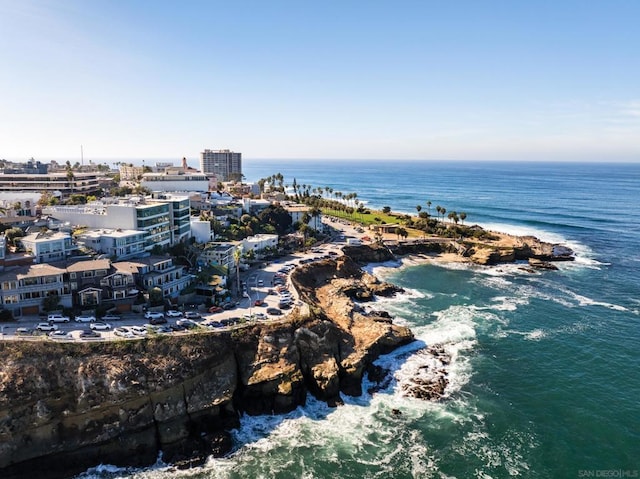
115, 243
48, 246
157, 271
219, 254
24, 288
85, 281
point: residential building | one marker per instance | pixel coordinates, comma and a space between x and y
220, 254
23, 288
201, 230
297, 212
177, 181
48, 246
154, 219
34, 176
120, 284
180, 213
157, 271
117, 243
84, 281
130, 172
259, 242
225, 165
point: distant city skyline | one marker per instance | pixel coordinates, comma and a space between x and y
466, 80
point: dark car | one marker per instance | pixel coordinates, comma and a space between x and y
274, 311
161, 320
228, 306
89, 334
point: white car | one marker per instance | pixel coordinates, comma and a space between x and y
46, 327
85, 319
123, 332
138, 330
153, 315
60, 335
172, 313
57, 318
100, 326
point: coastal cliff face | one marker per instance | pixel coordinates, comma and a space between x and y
67, 406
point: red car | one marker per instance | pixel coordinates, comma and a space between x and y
258, 302
215, 309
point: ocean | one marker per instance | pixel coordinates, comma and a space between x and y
544, 377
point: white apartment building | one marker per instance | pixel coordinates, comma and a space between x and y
177, 181
259, 242
297, 212
115, 243
48, 246
153, 219
225, 165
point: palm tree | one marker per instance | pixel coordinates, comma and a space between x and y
439, 210
463, 216
429, 207
419, 209
442, 212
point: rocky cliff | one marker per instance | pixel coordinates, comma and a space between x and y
67, 406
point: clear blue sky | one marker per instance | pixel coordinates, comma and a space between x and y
517, 80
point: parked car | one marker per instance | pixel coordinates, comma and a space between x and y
85, 319
23, 332
259, 315
111, 317
100, 326
57, 318
192, 315
172, 313
138, 330
153, 315
46, 327
89, 334
164, 329
274, 311
60, 335
258, 302
161, 320
228, 306
123, 332
187, 323
215, 309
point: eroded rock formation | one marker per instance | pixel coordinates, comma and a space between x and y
67, 406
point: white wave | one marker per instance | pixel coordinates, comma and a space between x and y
508, 303
586, 301
536, 335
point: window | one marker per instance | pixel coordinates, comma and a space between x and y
72, 275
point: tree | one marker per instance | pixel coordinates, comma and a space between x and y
155, 297
429, 207
51, 302
418, 209
463, 216
386, 210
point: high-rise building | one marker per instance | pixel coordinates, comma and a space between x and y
225, 165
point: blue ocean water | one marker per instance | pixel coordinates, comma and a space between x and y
544, 378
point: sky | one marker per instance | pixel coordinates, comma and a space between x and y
443, 80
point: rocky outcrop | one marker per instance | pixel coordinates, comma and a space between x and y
334, 286
67, 406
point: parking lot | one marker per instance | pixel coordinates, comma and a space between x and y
267, 296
